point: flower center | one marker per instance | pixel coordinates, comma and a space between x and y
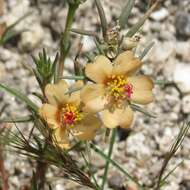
70, 115
118, 87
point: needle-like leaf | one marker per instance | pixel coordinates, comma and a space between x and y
123, 18
20, 96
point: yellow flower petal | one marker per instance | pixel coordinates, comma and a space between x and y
141, 82
99, 70
74, 98
119, 117
93, 97
126, 64
49, 114
86, 130
61, 138
142, 96
55, 93
126, 56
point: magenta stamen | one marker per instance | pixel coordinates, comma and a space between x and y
128, 89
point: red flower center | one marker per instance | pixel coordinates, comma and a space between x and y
70, 115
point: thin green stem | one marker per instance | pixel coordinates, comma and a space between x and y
73, 90
75, 77
91, 172
65, 40
114, 163
103, 20
109, 157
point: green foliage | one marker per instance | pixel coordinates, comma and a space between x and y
133, 30
45, 68
123, 18
41, 149
104, 24
116, 165
16, 120
146, 50
9, 33
175, 146
16, 93
139, 109
75, 2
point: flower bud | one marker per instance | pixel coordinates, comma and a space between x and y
130, 43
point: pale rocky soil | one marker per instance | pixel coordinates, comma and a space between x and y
142, 152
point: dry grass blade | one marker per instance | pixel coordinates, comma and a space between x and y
183, 132
47, 153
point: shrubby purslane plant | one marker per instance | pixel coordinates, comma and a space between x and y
65, 116
106, 92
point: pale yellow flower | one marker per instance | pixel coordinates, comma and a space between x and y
64, 115
115, 87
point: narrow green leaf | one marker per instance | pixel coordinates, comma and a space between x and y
16, 120
115, 164
91, 172
99, 47
137, 26
163, 82
138, 108
109, 157
18, 21
74, 77
20, 96
84, 32
8, 33
163, 181
146, 50
123, 18
73, 90
102, 16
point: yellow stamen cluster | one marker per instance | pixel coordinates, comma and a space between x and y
70, 115
115, 84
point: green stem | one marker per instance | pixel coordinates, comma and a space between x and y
75, 77
65, 40
109, 157
91, 172
114, 163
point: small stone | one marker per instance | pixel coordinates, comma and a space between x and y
115, 181
160, 15
5, 54
131, 186
182, 50
183, 25
185, 185
69, 64
181, 77
2, 70
88, 43
59, 187
11, 64
162, 51
136, 145
165, 138
32, 38
186, 104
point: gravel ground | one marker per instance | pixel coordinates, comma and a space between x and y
142, 152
